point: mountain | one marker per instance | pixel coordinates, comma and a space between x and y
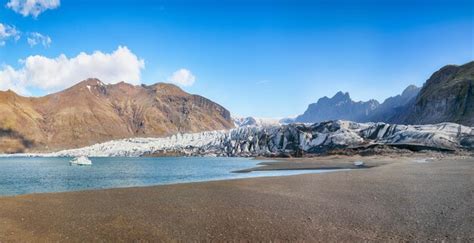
448, 95
92, 112
393, 106
339, 107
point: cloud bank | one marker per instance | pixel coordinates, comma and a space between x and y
182, 77
52, 74
32, 7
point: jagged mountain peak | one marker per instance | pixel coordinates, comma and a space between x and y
341, 95
410, 87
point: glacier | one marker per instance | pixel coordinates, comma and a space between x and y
295, 139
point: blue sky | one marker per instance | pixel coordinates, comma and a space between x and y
259, 58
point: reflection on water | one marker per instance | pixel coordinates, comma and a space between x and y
36, 175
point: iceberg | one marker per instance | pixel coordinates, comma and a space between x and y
81, 160
359, 163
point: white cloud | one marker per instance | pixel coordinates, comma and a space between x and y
182, 77
36, 38
52, 74
8, 32
10, 79
32, 7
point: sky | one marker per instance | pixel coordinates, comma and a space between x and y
256, 58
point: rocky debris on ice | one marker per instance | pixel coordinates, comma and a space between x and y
293, 139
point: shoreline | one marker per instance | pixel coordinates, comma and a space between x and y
401, 200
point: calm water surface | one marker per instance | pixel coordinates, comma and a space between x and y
37, 175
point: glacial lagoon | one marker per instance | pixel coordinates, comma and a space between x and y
26, 175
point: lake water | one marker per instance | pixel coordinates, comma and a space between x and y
38, 175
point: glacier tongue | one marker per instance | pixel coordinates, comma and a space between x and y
286, 139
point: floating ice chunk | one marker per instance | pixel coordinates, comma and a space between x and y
81, 160
424, 160
359, 163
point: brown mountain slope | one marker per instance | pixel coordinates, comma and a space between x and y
92, 112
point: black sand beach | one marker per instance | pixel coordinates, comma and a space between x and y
397, 199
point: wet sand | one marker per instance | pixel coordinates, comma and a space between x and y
398, 199
322, 163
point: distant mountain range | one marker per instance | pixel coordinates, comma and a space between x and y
92, 112
342, 107
447, 96
339, 107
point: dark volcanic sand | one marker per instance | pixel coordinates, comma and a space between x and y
401, 200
